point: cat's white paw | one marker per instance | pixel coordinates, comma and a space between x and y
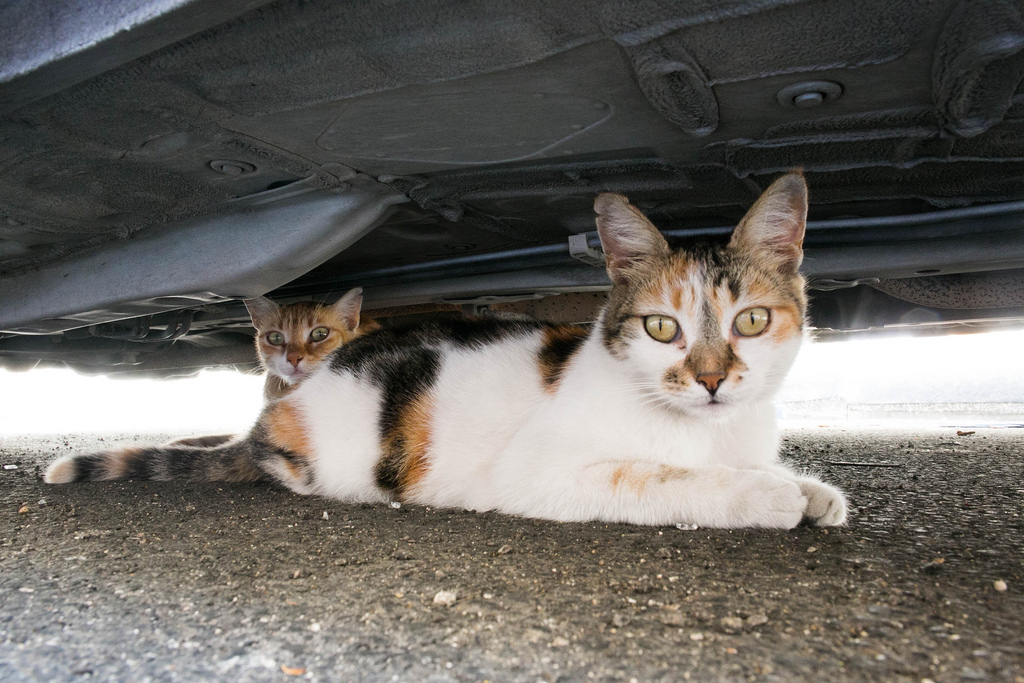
826, 505
764, 499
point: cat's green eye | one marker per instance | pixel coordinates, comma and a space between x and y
275, 338
752, 322
661, 328
319, 334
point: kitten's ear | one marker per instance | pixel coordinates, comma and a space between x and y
261, 310
775, 223
626, 235
348, 307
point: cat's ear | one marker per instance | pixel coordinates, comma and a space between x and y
348, 307
627, 237
775, 223
261, 310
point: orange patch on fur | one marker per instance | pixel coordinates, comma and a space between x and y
669, 287
626, 477
286, 429
365, 325
786, 323
563, 333
415, 429
677, 298
617, 475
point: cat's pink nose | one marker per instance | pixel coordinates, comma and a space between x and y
710, 380
294, 360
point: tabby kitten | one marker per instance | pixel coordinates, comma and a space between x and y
291, 340
659, 414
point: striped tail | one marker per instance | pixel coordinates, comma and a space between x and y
232, 461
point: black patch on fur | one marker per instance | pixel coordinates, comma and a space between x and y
401, 383
559, 346
183, 463
365, 354
89, 467
734, 287
145, 464
479, 331
616, 313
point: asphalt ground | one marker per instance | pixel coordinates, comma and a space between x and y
137, 581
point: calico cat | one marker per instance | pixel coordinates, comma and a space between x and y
659, 414
291, 340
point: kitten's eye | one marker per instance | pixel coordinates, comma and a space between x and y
275, 338
319, 334
752, 322
661, 328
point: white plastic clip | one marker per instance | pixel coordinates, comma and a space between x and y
581, 251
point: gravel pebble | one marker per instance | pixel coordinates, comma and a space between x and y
672, 618
445, 598
731, 623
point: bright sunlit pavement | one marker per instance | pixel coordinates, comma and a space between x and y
53, 401
953, 380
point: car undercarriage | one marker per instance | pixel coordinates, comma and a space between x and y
160, 161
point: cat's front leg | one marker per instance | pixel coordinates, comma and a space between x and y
640, 492
748, 498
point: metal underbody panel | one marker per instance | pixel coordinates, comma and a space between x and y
255, 245
161, 158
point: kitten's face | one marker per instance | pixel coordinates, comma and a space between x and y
293, 339
705, 330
